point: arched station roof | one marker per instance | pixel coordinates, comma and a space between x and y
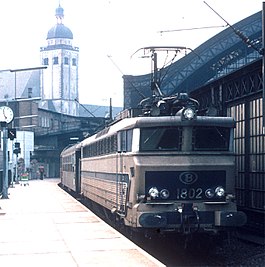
223, 53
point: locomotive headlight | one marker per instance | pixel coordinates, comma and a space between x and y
153, 192
219, 191
164, 194
209, 193
188, 113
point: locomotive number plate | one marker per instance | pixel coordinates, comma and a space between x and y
186, 185
189, 193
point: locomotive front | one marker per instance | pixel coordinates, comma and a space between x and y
182, 169
183, 174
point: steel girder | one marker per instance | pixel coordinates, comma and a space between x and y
218, 56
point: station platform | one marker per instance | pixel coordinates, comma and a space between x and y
42, 225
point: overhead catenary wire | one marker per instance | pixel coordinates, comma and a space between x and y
194, 28
76, 100
124, 76
240, 34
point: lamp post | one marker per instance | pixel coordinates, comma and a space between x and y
5, 162
6, 116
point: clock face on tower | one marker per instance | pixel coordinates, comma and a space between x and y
6, 114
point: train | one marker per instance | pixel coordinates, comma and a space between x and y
162, 173
161, 168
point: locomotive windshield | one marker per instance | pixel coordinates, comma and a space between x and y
211, 138
162, 138
203, 138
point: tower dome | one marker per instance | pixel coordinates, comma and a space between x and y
59, 30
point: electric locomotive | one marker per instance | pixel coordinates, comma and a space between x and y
164, 173
162, 167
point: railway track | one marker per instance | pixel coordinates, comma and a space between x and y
221, 252
232, 250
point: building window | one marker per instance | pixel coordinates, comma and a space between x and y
46, 61
74, 61
66, 61
44, 122
55, 60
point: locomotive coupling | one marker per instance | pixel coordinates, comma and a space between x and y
189, 218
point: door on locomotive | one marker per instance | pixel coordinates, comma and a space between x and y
124, 140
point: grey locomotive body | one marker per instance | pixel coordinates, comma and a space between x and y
161, 173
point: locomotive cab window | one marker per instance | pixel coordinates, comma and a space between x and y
211, 138
125, 141
162, 138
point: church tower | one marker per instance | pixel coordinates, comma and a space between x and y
59, 82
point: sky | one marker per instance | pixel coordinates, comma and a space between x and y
108, 32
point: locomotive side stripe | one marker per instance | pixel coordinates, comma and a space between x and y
114, 177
